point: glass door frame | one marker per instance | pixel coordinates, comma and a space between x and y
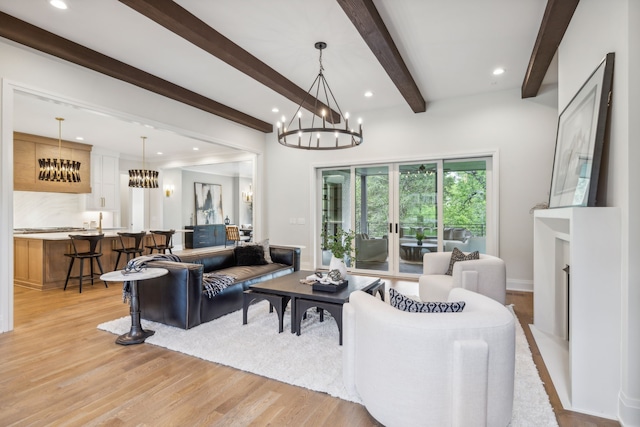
492, 205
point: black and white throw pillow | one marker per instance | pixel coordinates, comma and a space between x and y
404, 303
458, 255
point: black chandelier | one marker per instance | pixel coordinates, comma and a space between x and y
143, 178
59, 170
320, 136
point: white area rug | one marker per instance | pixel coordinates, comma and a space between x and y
312, 360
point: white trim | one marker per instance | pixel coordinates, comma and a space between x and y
519, 285
6, 206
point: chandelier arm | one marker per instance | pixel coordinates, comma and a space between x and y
325, 85
303, 102
334, 99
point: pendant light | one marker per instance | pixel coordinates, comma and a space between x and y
59, 169
143, 178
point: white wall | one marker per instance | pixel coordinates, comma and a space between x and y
523, 132
598, 28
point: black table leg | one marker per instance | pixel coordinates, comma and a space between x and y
136, 335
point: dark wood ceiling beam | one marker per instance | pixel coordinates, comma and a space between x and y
366, 18
555, 21
180, 21
47, 42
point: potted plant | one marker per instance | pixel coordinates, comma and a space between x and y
419, 237
341, 246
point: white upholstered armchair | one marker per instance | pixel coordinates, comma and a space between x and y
431, 369
486, 276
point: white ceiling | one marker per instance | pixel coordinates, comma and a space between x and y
450, 46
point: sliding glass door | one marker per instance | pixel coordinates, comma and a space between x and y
372, 218
400, 211
417, 214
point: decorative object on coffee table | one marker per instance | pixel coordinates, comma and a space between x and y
341, 245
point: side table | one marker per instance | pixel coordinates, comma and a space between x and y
136, 334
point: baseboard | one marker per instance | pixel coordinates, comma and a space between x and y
520, 285
628, 410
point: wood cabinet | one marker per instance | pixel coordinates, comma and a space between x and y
40, 263
27, 149
205, 235
104, 183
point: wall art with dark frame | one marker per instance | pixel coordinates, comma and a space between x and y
208, 200
580, 141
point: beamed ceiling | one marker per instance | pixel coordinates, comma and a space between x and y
240, 59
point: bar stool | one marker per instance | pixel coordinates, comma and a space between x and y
94, 252
132, 250
233, 235
162, 246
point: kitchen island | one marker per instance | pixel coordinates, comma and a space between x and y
39, 261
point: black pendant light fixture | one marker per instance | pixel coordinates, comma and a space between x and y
59, 169
143, 178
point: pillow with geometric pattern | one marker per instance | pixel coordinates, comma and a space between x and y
401, 302
458, 255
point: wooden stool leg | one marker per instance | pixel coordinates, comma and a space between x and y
81, 273
68, 274
101, 270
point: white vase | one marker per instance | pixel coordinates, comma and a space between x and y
338, 264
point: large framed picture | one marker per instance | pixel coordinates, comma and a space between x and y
580, 141
208, 199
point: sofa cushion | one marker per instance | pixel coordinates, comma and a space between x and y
401, 302
265, 247
458, 255
249, 255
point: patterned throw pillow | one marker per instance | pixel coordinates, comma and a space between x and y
458, 255
404, 303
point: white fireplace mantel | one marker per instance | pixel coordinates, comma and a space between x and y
579, 339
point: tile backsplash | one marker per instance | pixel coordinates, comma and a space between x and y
33, 209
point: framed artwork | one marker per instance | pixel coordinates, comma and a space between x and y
208, 198
580, 141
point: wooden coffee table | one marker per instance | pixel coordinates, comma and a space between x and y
281, 290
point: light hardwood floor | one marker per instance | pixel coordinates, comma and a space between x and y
56, 368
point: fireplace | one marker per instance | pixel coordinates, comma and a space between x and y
576, 300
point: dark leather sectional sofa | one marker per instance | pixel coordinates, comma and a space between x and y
177, 299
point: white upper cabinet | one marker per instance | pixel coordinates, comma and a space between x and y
104, 183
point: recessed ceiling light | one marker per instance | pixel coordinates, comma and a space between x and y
498, 71
160, 153
79, 138
368, 94
274, 110
59, 4
195, 148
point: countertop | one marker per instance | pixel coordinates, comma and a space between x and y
112, 232
65, 235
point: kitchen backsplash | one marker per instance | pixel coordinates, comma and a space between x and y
34, 209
